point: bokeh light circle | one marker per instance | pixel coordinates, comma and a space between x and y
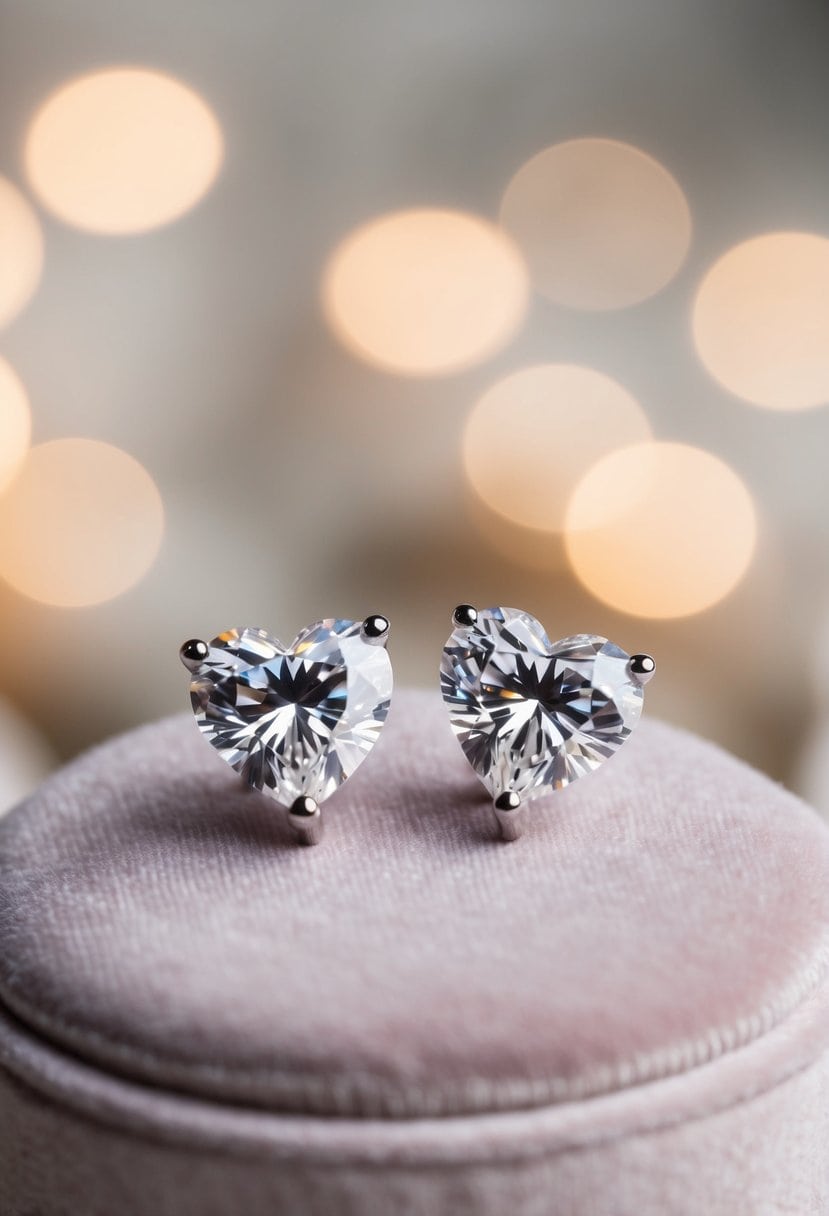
761, 320
81, 523
15, 423
21, 251
601, 223
122, 150
532, 435
529, 548
425, 292
683, 540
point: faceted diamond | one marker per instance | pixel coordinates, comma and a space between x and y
293, 721
531, 715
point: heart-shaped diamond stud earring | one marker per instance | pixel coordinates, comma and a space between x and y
295, 722
531, 715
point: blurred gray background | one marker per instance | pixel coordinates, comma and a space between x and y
300, 482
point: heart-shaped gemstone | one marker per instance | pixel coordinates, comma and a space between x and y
293, 721
531, 715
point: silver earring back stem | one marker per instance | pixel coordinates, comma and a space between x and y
509, 812
305, 817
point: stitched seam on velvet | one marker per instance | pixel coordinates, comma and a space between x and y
183, 1133
363, 1094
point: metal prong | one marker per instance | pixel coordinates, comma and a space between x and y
465, 615
305, 818
641, 668
510, 815
375, 630
193, 653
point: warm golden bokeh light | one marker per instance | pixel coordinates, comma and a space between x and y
122, 150
684, 540
425, 292
529, 548
21, 251
15, 423
80, 524
531, 437
601, 224
761, 320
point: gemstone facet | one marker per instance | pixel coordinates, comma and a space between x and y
529, 715
293, 721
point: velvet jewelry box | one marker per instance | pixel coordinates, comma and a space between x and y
623, 1013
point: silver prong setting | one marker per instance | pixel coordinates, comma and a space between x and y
641, 669
465, 616
305, 817
193, 653
509, 811
375, 630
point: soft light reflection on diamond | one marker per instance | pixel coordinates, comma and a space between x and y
761, 320
15, 423
425, 292
682, 541
531, 715
80, 524
532, 435
21, 251
295, 720
601, 223
122, 150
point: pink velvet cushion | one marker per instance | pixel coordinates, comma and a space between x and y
159, 922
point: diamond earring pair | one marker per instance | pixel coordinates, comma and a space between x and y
295, 722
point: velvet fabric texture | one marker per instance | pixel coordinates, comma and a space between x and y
625, 1012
